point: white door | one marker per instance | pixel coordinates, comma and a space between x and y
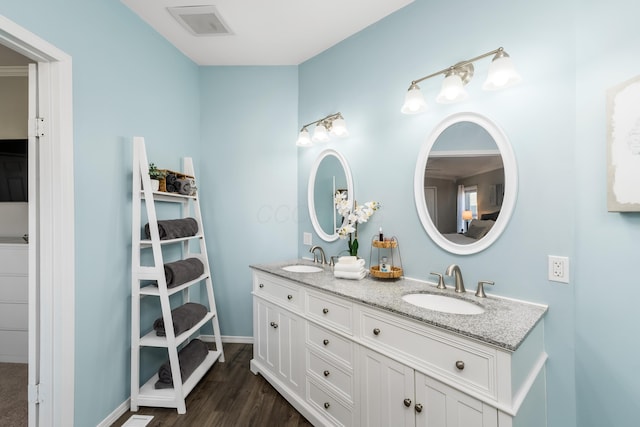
34, 288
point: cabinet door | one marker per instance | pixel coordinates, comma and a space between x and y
443, 406
279, 343
387, 390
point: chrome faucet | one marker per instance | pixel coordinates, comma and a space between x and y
323, 258
454, 270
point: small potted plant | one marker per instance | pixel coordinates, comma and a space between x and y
156, 175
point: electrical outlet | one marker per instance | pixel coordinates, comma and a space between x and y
559, 269
306, 238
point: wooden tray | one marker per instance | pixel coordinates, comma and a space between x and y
395, 272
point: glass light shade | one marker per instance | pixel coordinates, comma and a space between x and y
414, 102
501, 74
452, 90
339, 128
304, 140
467, 215
320, 133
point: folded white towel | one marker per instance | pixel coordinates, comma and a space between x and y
348, 259
356, 266
354, 275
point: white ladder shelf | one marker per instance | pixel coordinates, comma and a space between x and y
141, 275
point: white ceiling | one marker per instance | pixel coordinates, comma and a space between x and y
275, 32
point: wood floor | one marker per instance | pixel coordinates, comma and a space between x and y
229, 395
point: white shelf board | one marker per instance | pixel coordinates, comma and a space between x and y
153, 289
146, 243
166, 397
163, 196
153, 340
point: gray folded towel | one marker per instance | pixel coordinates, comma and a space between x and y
174, 228
182, 271
184, 318
190, 357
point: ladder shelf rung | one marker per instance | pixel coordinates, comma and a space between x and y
153, 340
153, 289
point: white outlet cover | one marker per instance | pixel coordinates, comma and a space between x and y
558, 269
307, 238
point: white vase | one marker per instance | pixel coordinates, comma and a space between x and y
155, 184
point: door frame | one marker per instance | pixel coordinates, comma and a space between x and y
54, 224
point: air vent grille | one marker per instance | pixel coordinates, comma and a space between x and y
200, 20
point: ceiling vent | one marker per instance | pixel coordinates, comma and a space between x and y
200, 20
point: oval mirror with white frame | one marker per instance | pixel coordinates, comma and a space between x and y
330, 173
465, 183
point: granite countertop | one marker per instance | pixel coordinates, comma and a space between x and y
505, 323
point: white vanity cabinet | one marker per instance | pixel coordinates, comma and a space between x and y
365, 366
395, 394
279, 332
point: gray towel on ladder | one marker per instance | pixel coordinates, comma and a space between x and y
174, 228
184, 318
190, 357
182, 271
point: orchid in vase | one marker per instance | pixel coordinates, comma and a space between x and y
355, 215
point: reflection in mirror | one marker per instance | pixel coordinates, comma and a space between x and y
465, 183
330, 173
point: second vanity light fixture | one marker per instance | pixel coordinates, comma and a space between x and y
333, 124
501, 74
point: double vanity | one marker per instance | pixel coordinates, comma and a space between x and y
368, 352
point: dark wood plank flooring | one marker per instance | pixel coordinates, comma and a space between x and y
229, 395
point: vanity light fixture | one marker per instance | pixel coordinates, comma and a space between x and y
333, 124
502, 74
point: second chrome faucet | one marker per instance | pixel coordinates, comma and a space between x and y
454, 270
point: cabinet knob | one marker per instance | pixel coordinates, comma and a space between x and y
274, 325
407, 402
326, 405
376, 331
418, 407
460, 365
326, 373
261, 285
325, 310
289, 297
325, 342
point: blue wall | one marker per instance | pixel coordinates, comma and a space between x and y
240, 123
249, 117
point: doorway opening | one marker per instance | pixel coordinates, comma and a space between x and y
51, 258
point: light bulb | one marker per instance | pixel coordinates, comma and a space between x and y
414, 102
452, 90
501, 73
339, 128
303, 138
320, 133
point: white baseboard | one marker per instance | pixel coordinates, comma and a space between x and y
117, 413
124, 406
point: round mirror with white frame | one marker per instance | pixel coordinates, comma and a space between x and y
465, 183
330, 173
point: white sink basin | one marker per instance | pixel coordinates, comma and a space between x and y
302, 268
443, 304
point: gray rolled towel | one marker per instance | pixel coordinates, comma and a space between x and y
183, 186
190, 357
174, 228
182, 271
184, 318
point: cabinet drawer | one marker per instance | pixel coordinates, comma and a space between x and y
14, 316
14, 260
14, 288
331, 343
330, 311
289, 296
337, 412
330, 375
464, 362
